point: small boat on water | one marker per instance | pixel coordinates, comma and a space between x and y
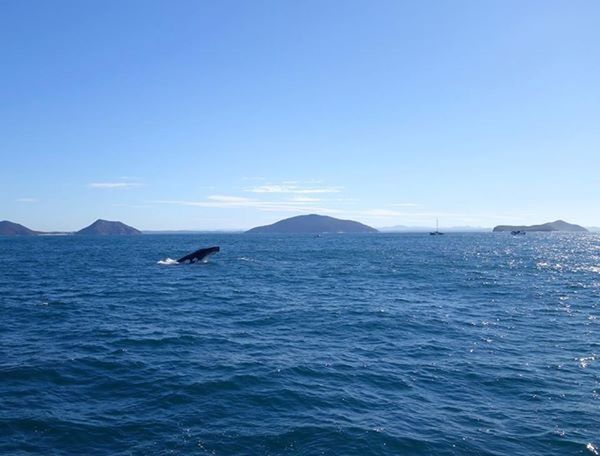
518, 233
437, 229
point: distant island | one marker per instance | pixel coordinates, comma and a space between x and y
107, 227
99, 227
309, 224
14, 229
427, 229
558, 225
313, 224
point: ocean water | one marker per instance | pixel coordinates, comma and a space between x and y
408, 344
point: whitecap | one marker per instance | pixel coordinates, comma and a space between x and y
585, 361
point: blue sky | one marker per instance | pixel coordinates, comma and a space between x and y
228, 114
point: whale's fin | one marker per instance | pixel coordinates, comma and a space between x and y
199, 256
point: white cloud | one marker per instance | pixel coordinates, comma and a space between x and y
383, 213
133, 206
405, 205
305, 199
129, 178
228, 199
292, 189
114, 185
27, 200
236, 202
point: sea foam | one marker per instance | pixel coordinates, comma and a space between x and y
167, 262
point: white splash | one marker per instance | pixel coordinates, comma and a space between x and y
168, 262
585, 361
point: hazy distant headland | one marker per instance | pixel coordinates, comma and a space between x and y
224, 231
428, 229
313, 224
558, 225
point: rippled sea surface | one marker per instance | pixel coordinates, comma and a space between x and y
464, 344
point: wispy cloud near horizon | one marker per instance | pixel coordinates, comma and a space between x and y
405, 205
382, 213
114, 185
27, 200
236, 202
305, 199
293, 188
229, 199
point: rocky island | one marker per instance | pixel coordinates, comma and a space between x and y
559, 225
99, 227
14, 229
107, 227
313, 224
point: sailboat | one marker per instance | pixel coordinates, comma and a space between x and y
437, 229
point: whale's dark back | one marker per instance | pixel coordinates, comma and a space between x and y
199, 255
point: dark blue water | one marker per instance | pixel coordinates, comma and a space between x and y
466, 344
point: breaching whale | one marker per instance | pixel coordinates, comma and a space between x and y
199, 256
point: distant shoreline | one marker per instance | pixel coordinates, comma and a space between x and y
316, 225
